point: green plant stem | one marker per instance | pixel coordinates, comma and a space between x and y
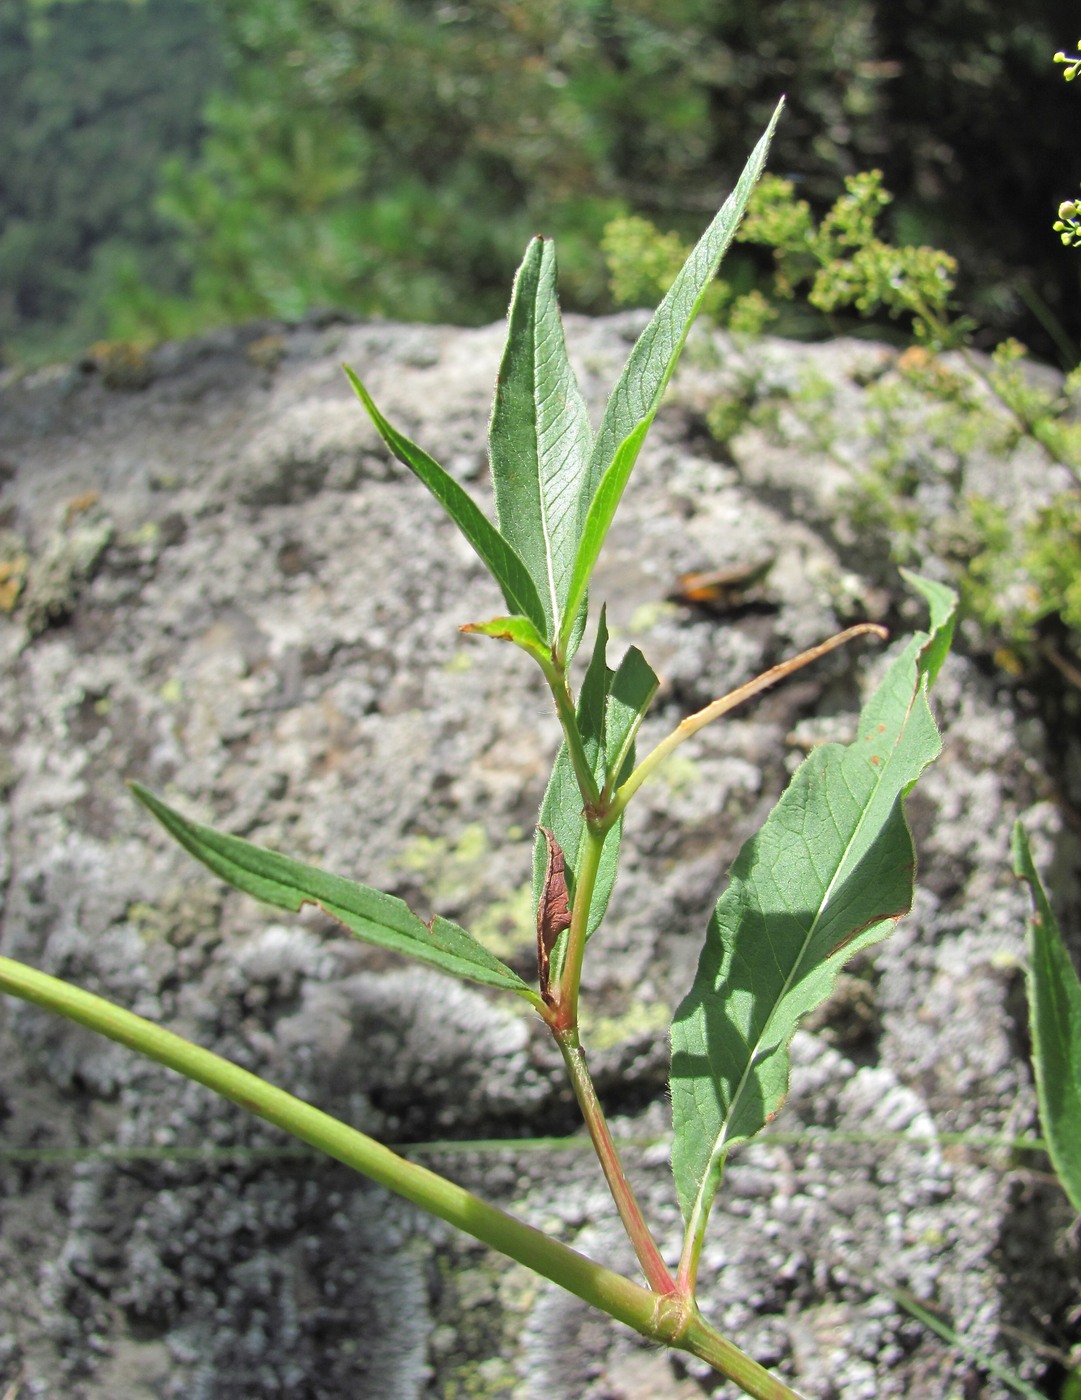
618, 1296
693, 723
687, 1275
645, 1247
723, 1356
556, 677
571, 976
564, 1026
1031, 425
664, 1318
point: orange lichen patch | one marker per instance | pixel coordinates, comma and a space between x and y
914, 360
12, 578
720, 590
267, 352
122, 364
79, 505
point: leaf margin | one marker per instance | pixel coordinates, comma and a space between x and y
494, 551
646, 375
441, 943
1054, 1000
697, 1183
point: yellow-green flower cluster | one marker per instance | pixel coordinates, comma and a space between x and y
1068, 223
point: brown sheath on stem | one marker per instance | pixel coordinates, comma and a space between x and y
553, 911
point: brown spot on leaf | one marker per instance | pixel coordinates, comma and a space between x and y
893, 914
553, 911
505, 636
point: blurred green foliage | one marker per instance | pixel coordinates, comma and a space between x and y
1017, 567
393, 157
642, 263
840, 262
847, 263
93, 94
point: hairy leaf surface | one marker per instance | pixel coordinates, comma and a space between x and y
1054, 1008
370, 914
829, 873
540, 438
637, 396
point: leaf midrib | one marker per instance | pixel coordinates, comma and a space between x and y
542, 480
720, 1145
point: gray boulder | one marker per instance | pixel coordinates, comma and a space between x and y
234, 596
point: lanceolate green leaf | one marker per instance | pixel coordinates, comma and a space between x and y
633, 688
540, 436
828, 874
370, 914
637, 395
494, 551
1054, 1008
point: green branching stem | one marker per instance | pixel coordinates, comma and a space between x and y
723, 1356
693, 723
939, 331
664, 1318
1033, 424
645, 1247
618, 1296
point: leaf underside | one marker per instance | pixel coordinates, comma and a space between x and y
370, 914
1054, 1003
828, 874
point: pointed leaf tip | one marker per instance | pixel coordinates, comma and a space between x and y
829, 873
368, 913
518, 630
495, 552
637, 395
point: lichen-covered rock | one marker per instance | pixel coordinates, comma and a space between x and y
240, 601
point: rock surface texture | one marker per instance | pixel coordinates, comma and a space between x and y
233, 595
